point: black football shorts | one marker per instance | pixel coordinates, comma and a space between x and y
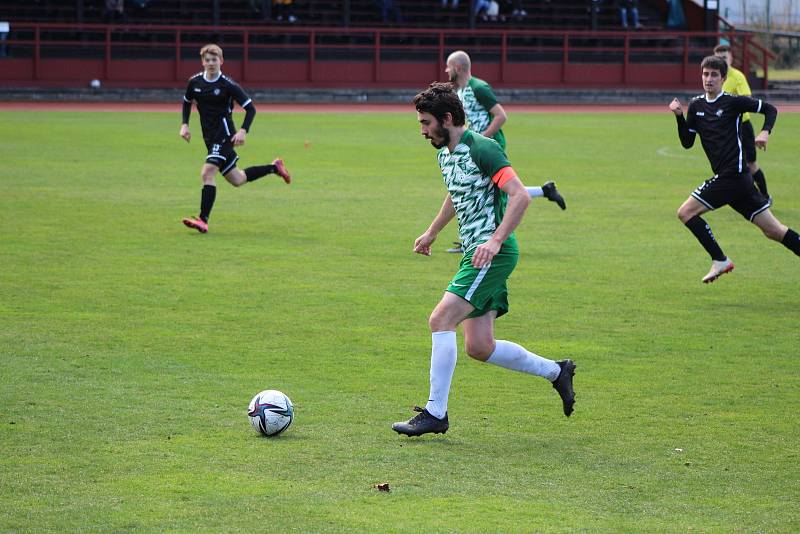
735, 190
222, 155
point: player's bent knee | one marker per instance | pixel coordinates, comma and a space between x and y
436, 324
688, 211
236, 178
771, 227
479, 350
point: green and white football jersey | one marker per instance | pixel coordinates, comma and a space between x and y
478, 202
478, 98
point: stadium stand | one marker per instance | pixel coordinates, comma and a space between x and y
155, 42
541, 14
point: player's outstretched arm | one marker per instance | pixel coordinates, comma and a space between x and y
249, 114
770, 113
518, 200
186, 111
684, 134
423, 243
499, 118
249, 108
746, 104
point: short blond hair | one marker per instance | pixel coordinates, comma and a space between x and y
212, 49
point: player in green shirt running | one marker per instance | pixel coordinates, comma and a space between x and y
485, 115
736, 84
488, 200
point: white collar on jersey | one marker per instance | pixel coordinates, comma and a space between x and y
717, 98
215, 79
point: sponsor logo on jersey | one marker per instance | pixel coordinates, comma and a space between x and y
700, 114
719, 113
216, 91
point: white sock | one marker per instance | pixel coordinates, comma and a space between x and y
443, 363
535, 191
512, 356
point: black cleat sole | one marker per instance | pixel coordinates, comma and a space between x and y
418, 435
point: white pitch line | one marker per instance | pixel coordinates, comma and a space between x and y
664, 151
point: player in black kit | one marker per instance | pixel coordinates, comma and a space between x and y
214, 93
716, 117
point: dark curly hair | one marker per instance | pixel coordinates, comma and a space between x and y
438, 99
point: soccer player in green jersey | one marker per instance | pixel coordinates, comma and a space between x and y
736, 84
485, 115
488, 200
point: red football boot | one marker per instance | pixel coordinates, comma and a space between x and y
280, 170
197, 223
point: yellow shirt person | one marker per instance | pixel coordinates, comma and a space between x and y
736, 84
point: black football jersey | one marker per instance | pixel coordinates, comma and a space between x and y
215, 105
719, 124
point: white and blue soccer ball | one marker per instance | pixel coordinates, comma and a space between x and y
270, 412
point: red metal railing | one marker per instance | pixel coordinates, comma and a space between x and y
42, 53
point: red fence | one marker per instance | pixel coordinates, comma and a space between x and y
164, 56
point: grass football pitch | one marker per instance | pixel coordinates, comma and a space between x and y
130, 346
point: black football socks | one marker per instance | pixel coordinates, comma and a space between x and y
703, 233
792, 241
254, 173
207, 201
761, 182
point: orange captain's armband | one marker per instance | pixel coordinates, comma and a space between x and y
503, 175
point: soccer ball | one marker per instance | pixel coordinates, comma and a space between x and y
270, 412
95, 84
